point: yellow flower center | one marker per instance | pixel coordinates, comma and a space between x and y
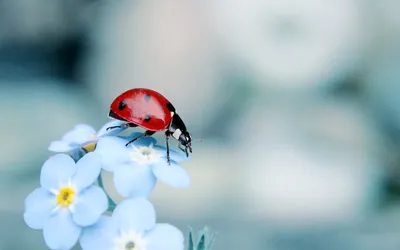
66, 196
90, 147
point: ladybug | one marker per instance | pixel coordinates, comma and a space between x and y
148, 109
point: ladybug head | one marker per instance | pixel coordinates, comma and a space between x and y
179, 132
186, 140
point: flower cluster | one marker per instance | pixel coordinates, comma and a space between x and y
71, 205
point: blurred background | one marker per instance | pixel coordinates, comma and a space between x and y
298, 103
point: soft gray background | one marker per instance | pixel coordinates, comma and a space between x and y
298, 103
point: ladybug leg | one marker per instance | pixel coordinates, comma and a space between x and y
167, 135
147, 133
185, 150
181, 147
125, 125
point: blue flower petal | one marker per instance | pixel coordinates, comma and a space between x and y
91, 204
174, 155
60, 146
111, 132
165, 236
60, 231
144, 141
132, 180
80, 134
131, 136
87, 170
113, 152
173, 175
99, 236
136, 214
38, 207
56, 171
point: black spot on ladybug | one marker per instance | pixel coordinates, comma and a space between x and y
122, 105
147, 118
147, 97
170, 107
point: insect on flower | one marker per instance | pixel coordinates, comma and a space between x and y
150, 110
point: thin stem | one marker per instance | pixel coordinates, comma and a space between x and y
111, 203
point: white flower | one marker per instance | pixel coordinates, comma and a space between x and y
83, 135
138, 166
132, 227
67, 200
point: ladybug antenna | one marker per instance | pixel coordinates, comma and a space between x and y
197, 140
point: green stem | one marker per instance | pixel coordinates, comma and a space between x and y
111, 203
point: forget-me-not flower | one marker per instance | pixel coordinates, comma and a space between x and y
67, 199
137, 166
83, 135
132, 227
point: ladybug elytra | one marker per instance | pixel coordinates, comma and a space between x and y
150, 110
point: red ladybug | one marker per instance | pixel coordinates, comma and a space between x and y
150, 110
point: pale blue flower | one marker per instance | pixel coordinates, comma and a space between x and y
82, 135
137, 166
132, 226
67, 199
